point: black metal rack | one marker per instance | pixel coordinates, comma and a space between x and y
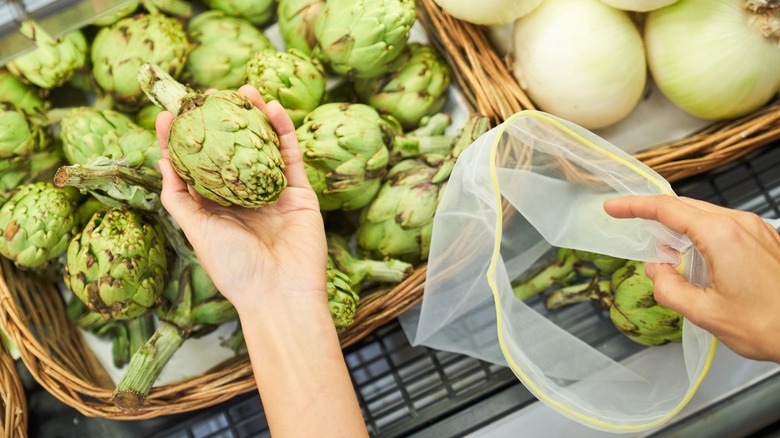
406, 391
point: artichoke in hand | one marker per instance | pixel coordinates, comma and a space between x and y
290, 77
222, 46
220, 144
117, 265
37, 224
54, 61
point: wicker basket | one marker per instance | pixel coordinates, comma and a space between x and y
59, 359
13, 406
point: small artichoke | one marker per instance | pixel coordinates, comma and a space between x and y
342, 300
416, 88
222, 45
117, 265
119, 51
146, 117
635, 312
345, 153
19, 136
257, 12
54, 60
24, 96
290, 77
220, 144
362, 38
37, 223
297, 19
88, 133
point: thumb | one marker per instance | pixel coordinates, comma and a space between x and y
175, 197
672, 290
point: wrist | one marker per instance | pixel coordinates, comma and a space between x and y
279, 307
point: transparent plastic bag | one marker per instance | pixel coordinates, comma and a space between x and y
534, 183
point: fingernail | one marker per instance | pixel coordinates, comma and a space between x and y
650, 270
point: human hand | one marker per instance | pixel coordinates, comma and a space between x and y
249, 253
742, 253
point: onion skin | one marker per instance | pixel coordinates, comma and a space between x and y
488, 11
580, 60
707, 58
638, 5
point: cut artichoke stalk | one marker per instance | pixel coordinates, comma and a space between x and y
220, 144
595, 290
360, 270
561, 271
428, 139
192, 307
114, 183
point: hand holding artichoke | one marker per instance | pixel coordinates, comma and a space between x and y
220, 143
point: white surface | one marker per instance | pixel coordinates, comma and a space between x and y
729, 374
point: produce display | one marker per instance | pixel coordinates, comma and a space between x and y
82, 186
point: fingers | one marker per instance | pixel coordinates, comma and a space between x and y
253, 95
162, 125
175, 195
288, 145
677, 215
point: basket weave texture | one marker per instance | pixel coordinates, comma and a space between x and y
54, 351
13, 405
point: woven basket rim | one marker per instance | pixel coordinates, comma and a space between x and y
13, 403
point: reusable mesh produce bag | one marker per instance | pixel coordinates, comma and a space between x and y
534, 183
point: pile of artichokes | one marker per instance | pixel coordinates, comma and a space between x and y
79, 183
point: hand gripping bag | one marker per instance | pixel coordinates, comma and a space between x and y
532, 184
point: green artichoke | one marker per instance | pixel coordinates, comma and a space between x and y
290, 77
117, 265
114, 16
362, 38
119, 51
257, 12
171, 7
399, 221
297, 19
359, 270
88, 133
416, 88
220, 144
146, 117
19, 136
342, 300
345, 153
37, 223
25, 97
54, 61
222, 45
635, 312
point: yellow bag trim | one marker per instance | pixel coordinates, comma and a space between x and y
494, 287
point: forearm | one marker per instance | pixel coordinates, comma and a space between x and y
299, 367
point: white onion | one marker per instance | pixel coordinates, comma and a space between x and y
638, 5
488, 11
709, 58
580, 60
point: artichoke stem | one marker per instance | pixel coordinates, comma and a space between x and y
92, 321
235, 342
214, 312
145, 366
161, 88
75, 309
577, 293
536, 284
175, 237
120, 343
436, 124
139, 330
359, 270
97, 176
474, 127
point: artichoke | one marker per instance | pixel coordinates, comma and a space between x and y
88, 133
25, 97
146, 117
360, 270
399, 221
257, 12
342, 300
37, 223
345, 153
362, 38
54, 61
297, 19
635, 312
119, 51
117, 265
417, 87
220, 144
222, 45
19, 136
172, 7
114, 16
290, 77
